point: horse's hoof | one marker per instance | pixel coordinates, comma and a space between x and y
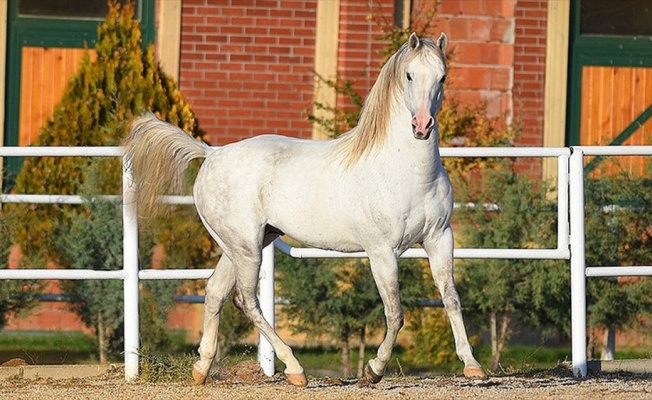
371, 376
198, 377
297, 379
473, 372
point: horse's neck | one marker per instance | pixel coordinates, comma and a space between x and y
403, 149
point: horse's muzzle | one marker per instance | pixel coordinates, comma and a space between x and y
421, 131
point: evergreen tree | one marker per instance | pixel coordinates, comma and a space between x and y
510, 211
93, 240
339, 300
16, 296
101, 99
96, 108
328, 298
618, 220
460, 124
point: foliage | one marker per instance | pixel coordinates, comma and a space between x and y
469, 125
432, 340
618, 219
97, 105
338, 120
507, 210
331, 298
338, 299
422, 20
94, 241
233, 327
17, 297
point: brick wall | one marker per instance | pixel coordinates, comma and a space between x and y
499, 57
529, 77
359, 58
246, 66
481, 36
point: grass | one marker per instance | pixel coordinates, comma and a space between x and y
165, 367
47, 347
175, 363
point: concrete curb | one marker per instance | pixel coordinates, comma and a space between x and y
635, 366
55, 371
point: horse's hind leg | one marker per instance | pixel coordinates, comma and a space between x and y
440, 256
218, 289
245, 299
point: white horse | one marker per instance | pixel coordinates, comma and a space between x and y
379, 188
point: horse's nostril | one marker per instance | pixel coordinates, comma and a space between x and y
430, 124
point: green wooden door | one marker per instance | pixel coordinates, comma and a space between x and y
611, 78
46, 40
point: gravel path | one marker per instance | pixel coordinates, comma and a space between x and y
542, 386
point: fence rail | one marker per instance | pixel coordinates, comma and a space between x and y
570, 241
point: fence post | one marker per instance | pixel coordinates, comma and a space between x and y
266, 299
130, 260
578, 263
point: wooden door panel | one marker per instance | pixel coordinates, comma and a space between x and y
45, 72
611, 98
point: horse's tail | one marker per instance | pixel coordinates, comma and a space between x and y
159, 153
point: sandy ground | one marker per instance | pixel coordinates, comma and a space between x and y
247, 384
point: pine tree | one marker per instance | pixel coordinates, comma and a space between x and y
105, 94
97, 106
510, 211
16, 296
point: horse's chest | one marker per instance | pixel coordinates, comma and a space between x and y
405, 220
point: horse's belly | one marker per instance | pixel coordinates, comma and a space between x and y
318, 229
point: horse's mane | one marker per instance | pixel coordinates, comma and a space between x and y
373, 125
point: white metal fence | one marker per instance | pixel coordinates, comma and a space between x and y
570, 242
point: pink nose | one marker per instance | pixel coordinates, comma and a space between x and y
420, 129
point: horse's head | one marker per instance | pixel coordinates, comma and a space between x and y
424, 78
412, 79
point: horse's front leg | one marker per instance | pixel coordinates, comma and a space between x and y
385, 272
440, 256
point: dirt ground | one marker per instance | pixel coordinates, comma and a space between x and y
245, 382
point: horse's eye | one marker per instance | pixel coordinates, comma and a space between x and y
442, 80
409, 77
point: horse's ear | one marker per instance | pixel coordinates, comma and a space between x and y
442, 42
414, 41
